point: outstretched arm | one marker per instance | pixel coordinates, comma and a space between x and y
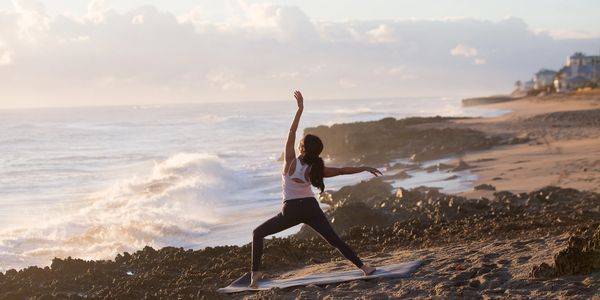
290, 153
331, 172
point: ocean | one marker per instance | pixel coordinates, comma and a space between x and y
96, 181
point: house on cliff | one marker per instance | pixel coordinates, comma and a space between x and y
581, 70
543, 79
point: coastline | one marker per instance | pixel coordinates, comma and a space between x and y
564, 149
524, 154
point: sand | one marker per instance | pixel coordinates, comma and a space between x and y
477, 270
566, 155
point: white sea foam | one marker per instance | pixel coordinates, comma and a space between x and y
354, 111
172, 205
220, 119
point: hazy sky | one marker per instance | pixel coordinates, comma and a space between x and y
75, 52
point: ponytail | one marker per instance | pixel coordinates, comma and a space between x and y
317, 168
312, 146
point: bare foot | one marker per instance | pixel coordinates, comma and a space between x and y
256, 275
368, 270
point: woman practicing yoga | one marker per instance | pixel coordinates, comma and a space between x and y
299, 203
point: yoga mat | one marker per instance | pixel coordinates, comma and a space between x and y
390, 271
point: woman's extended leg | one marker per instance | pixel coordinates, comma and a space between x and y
319, 223
273, 225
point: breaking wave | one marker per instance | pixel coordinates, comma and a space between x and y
171, 205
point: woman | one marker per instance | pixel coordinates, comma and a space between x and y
299, 203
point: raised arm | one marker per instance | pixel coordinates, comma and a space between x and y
290, 153
331, 172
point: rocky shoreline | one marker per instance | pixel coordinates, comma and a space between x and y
420, 218
420, 139
544, 242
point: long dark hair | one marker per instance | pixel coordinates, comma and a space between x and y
312, 147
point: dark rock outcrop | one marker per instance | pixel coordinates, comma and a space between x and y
418, 138
581, 256
484, 187
487, 100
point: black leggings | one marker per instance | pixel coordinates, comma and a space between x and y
294, 212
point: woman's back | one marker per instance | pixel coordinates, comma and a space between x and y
296, 185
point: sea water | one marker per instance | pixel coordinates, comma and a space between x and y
96, 181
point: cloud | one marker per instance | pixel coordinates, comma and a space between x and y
463, 50
397, 72
97, 9
479, 61
468, 52
27, 6
224, 80
572, 34
345, 83
138, 19
382, 34
5, 56
260, 53
32, 21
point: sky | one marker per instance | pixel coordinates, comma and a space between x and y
101, 52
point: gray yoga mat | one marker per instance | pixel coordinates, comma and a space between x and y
391, 271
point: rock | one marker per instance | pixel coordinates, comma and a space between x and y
371, 192
462, 165
399, 175
380, 141
475, 283
485, 187
542, 271
581, 256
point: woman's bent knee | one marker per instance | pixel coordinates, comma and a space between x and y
257, 233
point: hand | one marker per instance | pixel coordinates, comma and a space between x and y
373, 171
299, 99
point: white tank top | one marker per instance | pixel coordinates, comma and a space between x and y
293, 189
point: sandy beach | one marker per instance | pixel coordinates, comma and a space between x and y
530, 230
564, 149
